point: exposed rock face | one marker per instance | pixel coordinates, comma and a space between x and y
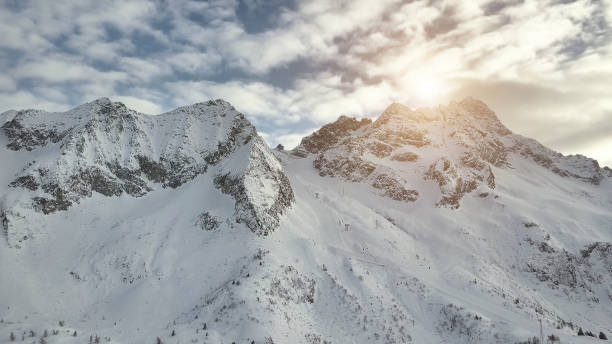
331, 134
558, 268
262, 191
394, 189
103, 147
457, 147
573, 166
456, 181
29, 138
354, 169
208, 222
406, 156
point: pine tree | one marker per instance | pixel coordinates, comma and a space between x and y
602, 336
12, 337
173, 333
580, 332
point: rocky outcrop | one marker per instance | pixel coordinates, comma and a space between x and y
571, 166
353, 169
331, 134
394, 189
405, 156
208, 222
587, 273
455, 181
29, 138
262, 191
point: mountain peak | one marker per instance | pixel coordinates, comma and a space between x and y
467, 112
211, 103
457, 145
102, 101
107, 148
475, 108
397, 108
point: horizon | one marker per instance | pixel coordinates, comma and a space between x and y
294, 66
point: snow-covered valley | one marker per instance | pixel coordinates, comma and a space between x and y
429, 226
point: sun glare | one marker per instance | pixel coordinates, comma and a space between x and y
428, 90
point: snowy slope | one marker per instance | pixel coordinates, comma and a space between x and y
427, 226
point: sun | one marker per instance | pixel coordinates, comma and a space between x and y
425, 89
428, 90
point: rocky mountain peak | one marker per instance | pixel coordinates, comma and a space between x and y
102, 101
476, 107
396, 108
458, 146
467, 113
106, 148
218, 109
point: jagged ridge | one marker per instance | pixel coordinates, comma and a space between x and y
457, 146
106, 148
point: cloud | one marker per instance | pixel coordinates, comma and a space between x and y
257, 99
7, 83
25, 100
194, 62
60, 69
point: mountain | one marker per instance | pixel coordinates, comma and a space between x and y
106, 148
424, 226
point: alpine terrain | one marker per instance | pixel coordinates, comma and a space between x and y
435, 225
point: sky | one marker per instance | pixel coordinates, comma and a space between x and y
545, 67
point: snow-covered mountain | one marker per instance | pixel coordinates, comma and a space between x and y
426, 226
106, 148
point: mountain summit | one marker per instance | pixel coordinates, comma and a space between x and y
423, 226
455, 146
105, 148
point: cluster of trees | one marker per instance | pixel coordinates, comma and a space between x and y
32, 334
555, 339
590, 334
